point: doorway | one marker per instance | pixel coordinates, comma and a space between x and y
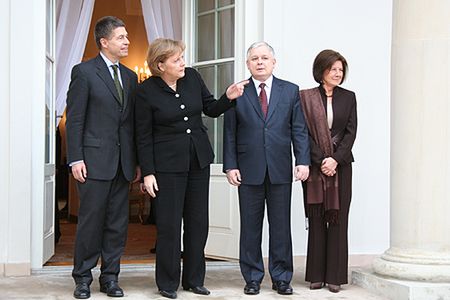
223, 236
141, 231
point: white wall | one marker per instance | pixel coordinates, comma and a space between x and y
21, 90
361, 31
4, 135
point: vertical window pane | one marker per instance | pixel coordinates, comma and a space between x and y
205, 5
207, 74
225, 2
218, 146
48, 108
48, 28
226, 33
206, 37
215, 26
225, 77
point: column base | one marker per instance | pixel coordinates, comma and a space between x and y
395, 289
414, 265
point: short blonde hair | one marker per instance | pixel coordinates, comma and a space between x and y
160, 50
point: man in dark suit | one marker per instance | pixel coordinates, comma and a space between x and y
102, 156
259, 134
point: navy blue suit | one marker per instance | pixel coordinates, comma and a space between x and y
261, 148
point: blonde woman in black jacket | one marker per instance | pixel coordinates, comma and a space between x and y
175, 153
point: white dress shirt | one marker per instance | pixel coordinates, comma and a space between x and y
267, 88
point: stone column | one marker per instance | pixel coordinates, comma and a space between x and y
419, 250
417, 264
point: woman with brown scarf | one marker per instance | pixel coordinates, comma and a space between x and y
330, 113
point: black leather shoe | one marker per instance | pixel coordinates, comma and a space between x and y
201, 290
252, 288
82, 291
168, 294
282, 287
111, 288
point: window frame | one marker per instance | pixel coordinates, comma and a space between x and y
191, 55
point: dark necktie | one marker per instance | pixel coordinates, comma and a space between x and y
117, 83
263, 99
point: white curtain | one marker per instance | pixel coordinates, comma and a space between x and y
73, 18
162, 18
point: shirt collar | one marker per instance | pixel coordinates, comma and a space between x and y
107, 61
268, 82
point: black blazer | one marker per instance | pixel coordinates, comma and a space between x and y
100, 131
344, 126
167, 122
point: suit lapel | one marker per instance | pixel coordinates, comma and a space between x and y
275, 95
105, 75
252, 97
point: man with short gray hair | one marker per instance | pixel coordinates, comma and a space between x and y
259, 133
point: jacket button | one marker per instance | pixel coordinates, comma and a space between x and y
188, 130
118, 144
182, 106
185, 118
177, 95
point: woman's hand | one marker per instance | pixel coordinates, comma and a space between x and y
150, 185
236, 90
328, 166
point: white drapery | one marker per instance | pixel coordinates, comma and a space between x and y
162, 18
73, 18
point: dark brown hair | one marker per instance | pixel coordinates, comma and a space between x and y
104, 28
160, 50
324, 61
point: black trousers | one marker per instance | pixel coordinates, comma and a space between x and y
181, 196
252, 201
327, 257
102, 228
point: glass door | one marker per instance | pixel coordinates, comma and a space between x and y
50, 134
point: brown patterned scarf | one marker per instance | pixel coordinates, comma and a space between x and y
320, 189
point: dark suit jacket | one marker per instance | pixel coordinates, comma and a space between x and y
99, 130
167, 122
253, 144
344, 126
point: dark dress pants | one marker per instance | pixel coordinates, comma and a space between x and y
102, 228
181, 196
327, 258
252, 201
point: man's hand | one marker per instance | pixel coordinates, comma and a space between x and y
137, 175
301, 172
234, 177
79, 172
150, 185
236, 90
328, 166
